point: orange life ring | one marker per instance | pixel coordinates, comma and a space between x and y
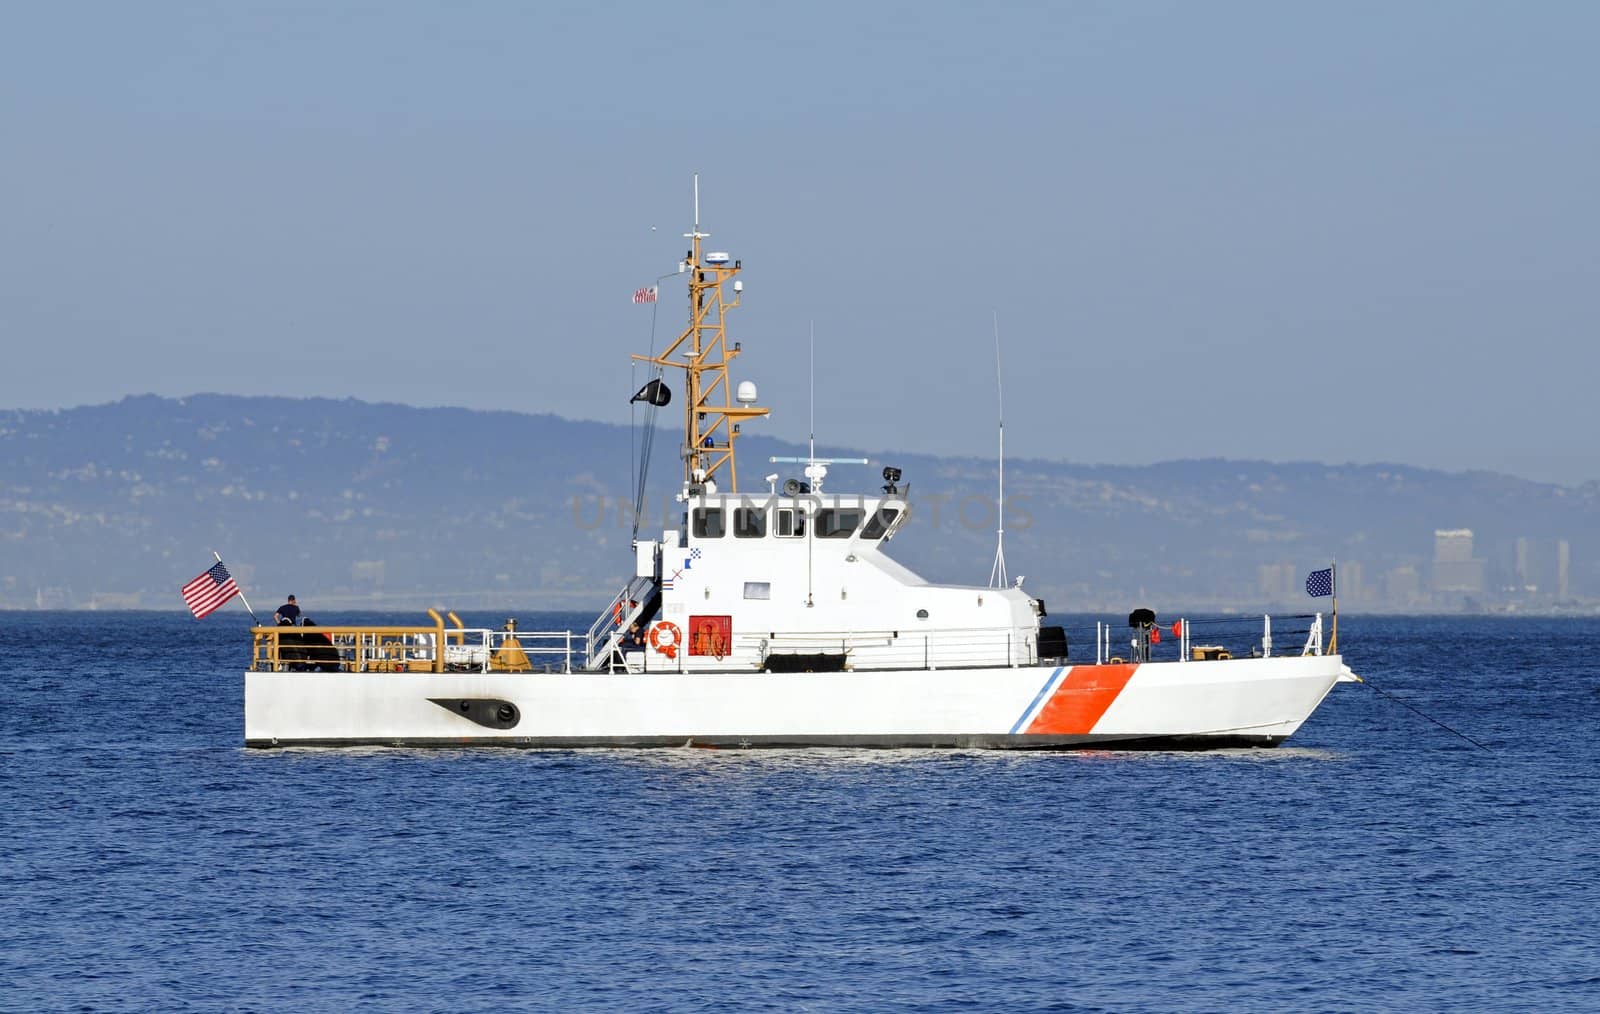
665, 638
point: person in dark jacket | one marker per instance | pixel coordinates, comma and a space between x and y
319, 648
289, 612
633, 640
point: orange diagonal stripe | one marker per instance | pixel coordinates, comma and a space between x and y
1083, 696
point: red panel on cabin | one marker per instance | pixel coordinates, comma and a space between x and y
710, 635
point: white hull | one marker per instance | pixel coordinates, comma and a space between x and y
1186, 704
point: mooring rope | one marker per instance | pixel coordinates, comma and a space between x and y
1455, 732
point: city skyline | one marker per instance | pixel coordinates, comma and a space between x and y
1521, 573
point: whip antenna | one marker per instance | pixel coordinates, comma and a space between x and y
813, 423
997, 574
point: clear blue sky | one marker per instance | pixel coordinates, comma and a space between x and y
1341, 232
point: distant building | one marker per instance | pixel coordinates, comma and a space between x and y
1455, 570
115, 600
1521, 570
1563, 569
1452, 545
1402, 586
1351, 588
367, 573
1276, 582
52, 598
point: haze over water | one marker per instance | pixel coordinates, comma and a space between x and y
1375, 862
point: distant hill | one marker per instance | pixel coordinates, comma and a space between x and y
348, 503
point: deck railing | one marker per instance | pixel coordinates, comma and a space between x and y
411, 649
348, 649
441, 649
1228, 637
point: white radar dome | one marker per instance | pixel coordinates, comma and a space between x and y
746, 393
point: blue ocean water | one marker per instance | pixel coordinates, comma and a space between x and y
149, 861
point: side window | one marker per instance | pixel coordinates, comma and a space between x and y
879, 522
750, 523
791, 523
708, 523
838, 523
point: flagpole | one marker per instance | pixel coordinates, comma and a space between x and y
246, 601
1333, 646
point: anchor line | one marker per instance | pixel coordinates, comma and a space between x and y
1454, 732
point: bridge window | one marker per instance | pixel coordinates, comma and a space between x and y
791, 523
750, 523
880, 521
838, 523
708, 523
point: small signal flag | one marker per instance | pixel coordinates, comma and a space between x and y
645, 295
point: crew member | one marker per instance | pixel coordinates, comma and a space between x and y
633, 640
287, 613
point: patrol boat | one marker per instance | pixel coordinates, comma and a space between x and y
775, 618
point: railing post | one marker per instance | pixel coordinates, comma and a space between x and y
1266, 636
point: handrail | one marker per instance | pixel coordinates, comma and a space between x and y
907, 647
437, 649
1314, 638
619, 618
1217, 633
383, 645
412, 649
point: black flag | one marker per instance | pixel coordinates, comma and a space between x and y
655, 392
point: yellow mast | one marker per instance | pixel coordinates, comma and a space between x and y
702, 352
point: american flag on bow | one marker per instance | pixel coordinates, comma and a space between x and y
1319, 583
210, 591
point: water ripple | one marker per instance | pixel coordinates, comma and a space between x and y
150, 861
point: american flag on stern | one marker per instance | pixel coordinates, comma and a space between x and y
1319, 583
210, 591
